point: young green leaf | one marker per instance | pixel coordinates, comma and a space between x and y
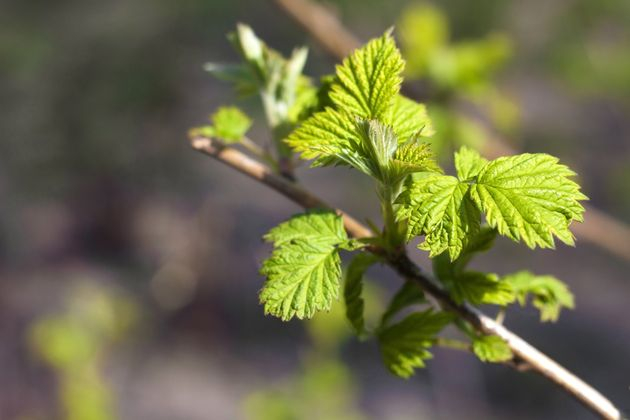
330, 137
250, 46
230, 124
369, 125
377, 147
286, 95
304, 269
549, 294
240, 75
490, 348
529, 197
480, 288
316, 225
438, 207
353, 288
481, 241
468, 163
405, 345
409, 294
412, 157
306, 103
472, 286
369, 79
409, 119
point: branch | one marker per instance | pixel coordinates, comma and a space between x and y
329, 32
401, 263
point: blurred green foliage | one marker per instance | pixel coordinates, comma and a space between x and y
456, 71
323, 388
74, 343
463, 66
590, 47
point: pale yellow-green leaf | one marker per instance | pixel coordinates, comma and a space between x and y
369, 79
438, 207
529, 197
304, 269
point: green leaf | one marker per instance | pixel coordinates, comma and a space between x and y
491, 348
388, 161
287, 96
250, 46
240, 75
479, 288
438, 207
369, 79
412, 157
472, 286
529, 197
409, 119
316, 225
230, 124
329, 137
304, 269
409, 294
405, 345
468, 163
549, 294
353, 288
481, 241
306, 102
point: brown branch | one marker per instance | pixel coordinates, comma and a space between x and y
598, 228
401, 263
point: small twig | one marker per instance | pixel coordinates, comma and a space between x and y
323, 25
401, 263
259, 152
500, 318
330, 32
449, 343
260, 172
453, 344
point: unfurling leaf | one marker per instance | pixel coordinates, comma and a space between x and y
548, 293
353, 289
405, 345
304, 269
409, 294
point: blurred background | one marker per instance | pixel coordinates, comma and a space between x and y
128, 263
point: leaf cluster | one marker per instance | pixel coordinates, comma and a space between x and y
358, 118
527, 197
369, 125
